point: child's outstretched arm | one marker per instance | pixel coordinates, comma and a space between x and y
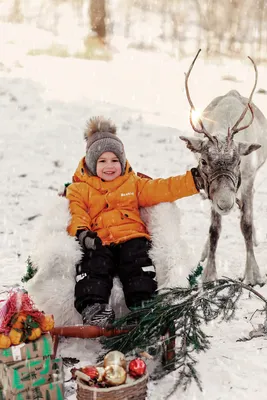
79, 213
154, 191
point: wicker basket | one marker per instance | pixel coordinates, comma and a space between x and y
131, 390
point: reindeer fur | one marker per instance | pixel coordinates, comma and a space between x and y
233, 163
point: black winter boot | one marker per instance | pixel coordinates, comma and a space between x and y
98, 314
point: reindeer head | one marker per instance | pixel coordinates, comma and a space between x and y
219, 159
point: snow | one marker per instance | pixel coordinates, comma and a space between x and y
45, 102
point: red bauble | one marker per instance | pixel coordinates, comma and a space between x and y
90, 371
137, 367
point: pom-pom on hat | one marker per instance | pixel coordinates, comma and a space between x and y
100, 136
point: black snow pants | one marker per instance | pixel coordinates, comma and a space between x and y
128, 260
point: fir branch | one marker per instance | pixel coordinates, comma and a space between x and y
31, 271
249, 288
181, 311
193, 277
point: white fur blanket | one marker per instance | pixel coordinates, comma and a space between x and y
55, 254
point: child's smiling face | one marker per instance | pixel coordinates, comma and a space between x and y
108, 166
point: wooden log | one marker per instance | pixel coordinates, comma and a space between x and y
88, 331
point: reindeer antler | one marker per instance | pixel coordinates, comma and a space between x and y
235, 128
202, 130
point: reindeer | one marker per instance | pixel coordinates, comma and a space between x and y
228, 167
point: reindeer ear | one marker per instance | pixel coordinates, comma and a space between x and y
193, 144
247, 148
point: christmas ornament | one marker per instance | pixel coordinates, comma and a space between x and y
83, 377
137, 367
115, 358
115, 375
101, 373
90, 371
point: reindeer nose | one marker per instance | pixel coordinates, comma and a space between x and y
225, 205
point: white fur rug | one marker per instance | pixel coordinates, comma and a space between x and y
55, 254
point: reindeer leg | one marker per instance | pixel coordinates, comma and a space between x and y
205, 250
252, 271
210, 273
254, 232
254, 236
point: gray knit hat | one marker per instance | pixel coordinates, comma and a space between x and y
100, 136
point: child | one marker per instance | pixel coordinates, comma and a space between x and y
104, 201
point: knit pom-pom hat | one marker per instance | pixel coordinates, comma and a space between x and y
100, 136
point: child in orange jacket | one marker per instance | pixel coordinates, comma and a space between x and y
104, 202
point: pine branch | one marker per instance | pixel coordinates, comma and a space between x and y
182, 311
31, 271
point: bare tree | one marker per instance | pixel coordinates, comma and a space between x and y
262, 26
178, 15
127, 25
16, 13
78, 9
233, 24
97, 16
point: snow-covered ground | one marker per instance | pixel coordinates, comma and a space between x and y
45, 103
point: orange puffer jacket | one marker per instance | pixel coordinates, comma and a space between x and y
112, 208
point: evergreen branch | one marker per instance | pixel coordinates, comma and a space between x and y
182, 312
31, 271
249, 288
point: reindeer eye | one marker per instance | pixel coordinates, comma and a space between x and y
203, 162
239, 162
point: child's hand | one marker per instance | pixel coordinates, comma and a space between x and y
88, 239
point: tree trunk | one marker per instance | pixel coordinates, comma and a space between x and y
261, 10
127, 25
97, 14
16, 14
164, 7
